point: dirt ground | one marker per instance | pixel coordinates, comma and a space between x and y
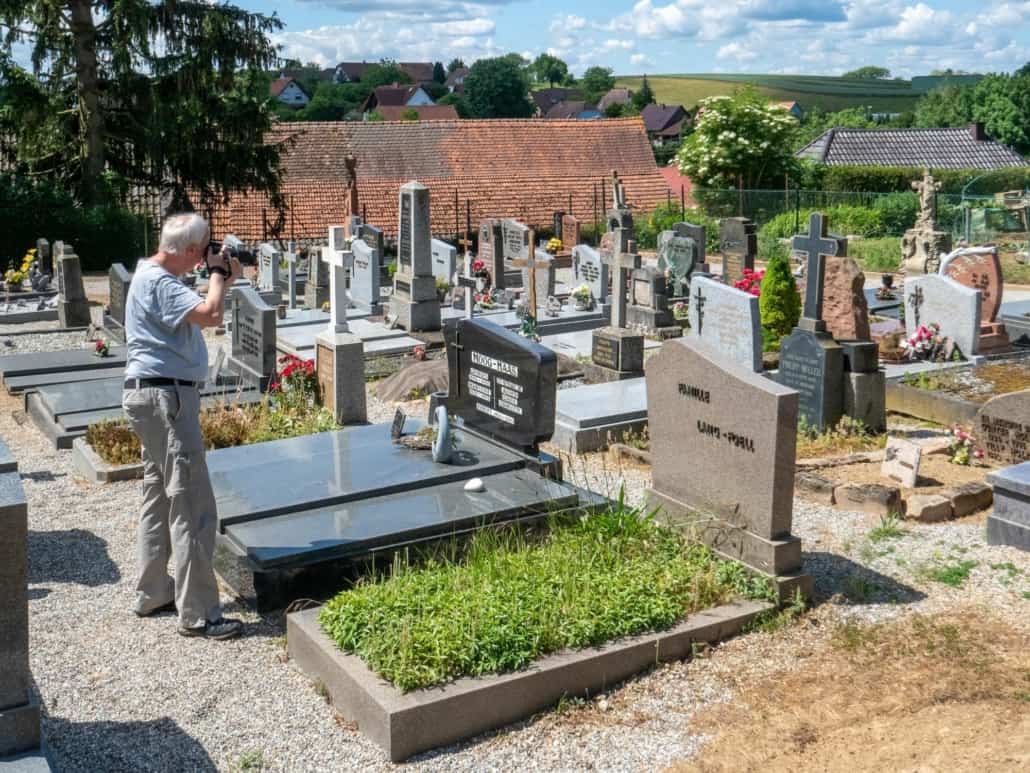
941, 693
935, 473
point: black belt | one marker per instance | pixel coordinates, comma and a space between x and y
143, 383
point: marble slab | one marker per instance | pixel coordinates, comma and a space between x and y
579, 343
355, 528
19, 384
54, 362
302, 473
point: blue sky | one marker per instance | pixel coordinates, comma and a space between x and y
666, 36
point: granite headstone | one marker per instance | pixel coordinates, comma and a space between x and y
932, 298
727, 321
738, 243
253, 337
1003, 428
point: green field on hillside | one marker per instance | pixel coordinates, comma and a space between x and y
827, 93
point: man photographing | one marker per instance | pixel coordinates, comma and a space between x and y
166, 365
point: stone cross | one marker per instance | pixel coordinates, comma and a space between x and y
621, 262
915, 300
700, 305
291, 277
340, 262
529, 263
817, 245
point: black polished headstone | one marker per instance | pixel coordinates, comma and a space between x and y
501, 384
813, 364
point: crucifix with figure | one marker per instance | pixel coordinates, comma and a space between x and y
622, 259
699, 303
817, 245
915, 300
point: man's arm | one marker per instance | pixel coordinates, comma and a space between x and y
209, 312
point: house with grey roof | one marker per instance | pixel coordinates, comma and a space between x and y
960, 148
664, 123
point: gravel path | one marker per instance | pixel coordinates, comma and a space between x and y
129, 694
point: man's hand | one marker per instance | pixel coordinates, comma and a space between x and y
234, 267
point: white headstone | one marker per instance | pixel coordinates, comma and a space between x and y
727, 320
291, 277
269, 256
932, 298
901, 461
445, 260
588, 269
364, 281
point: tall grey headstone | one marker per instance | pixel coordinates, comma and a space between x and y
316, 289
710, 417
268, 267
72, 306
253, 353
119, 280
19, 710
932, 298
491, 250
291, 258
415, 302
46, 264
727, 321
738, 243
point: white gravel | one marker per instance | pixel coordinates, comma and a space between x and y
128, 694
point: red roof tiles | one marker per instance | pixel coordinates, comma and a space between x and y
526, 169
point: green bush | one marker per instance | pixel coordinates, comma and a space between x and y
779, 304
844, 220
898, 211
665, 215
882, 254
896, 178
101, 235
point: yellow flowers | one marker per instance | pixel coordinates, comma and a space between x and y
553, 245
14, 277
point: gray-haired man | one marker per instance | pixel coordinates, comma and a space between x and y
165, 366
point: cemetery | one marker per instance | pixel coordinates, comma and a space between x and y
503, 488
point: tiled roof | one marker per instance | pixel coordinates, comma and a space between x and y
393, 95
961, 148
545, 99
566, 109
658, 118
614, 97
455, 77
506, 168
279, 85
425, 112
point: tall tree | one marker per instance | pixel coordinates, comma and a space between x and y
498, 88
383, 74
596, 82
439, 74
1000, 102
455, 64
164, 94
643, 96
549, 69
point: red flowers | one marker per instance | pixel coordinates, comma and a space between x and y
295, 374
419, 352
477, 266
750, 282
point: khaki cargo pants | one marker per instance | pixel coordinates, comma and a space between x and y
179, 514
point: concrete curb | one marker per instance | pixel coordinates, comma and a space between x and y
96, 470
931, 406
404, 724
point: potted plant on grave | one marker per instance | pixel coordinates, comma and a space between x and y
487, 299
479, 271
583, 298
929, 345
101, 348
885, 292
15, 277
442, 288
963, 449
681, 312
553, 246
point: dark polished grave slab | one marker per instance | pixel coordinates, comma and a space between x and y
267, 479
884, 308
63, 361
357, 528
19, 384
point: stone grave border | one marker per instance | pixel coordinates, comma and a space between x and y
937, 407
94, 469
404, 724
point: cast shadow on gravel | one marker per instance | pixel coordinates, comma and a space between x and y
71, 556
852, 583
112, 747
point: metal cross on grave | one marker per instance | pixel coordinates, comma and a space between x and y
340, 263
915, 300
817, 245
291, 278
622, 259
529, 263
700, 301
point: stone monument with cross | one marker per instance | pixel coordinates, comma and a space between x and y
291, 257
415, 302
339, 354
923, 245
810, 360
617, 353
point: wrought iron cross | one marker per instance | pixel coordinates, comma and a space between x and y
915, 300
700, 306
817, 245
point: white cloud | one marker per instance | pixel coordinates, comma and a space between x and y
737, 51
614, 45
641, 60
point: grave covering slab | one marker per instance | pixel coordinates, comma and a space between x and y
579, 343
18, 384
590, 417
55, 362
61, 399
267, 479
354, 529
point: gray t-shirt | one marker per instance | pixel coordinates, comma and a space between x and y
161, 343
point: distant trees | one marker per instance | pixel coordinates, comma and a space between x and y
549, 69
461, 105
455, 64
1000, 102
409, 114
384, 74
439, 74
596, 82
498, 88
868, 73
740, 140
643, 96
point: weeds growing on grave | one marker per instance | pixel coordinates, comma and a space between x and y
507, 598
888, 528
954, 573
850, 436
288, 410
